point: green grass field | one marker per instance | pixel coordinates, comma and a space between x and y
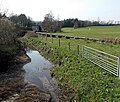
94, 32
88, 82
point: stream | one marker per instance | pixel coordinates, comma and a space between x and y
37, 73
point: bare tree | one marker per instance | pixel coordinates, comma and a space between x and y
50, 24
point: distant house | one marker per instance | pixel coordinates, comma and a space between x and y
36, 26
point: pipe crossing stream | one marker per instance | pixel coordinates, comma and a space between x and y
37, 73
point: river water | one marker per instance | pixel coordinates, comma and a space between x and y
37, 73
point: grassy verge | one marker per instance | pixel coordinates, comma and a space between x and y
82, 80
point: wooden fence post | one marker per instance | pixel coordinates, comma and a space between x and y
82, 51
78, 49
38, 35
46, 37
59, 42
69, 45
52, 39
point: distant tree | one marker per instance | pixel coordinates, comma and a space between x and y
2, 15
95, 23
50, 24
68, 22
22, 21
110, 22
76, 23
98, 20
14, 18
29, 21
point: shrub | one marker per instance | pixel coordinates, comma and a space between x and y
7, 31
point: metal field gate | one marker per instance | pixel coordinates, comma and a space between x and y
104, 60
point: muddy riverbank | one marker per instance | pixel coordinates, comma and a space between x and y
13, 87
24, 82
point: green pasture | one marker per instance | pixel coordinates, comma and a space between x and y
93, 32
88, 82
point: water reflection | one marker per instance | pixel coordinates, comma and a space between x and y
37, 71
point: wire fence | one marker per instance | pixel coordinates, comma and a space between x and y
104, 60
61, 42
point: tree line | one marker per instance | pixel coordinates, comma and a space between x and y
85, 23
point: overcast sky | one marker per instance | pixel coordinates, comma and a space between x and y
81, 9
